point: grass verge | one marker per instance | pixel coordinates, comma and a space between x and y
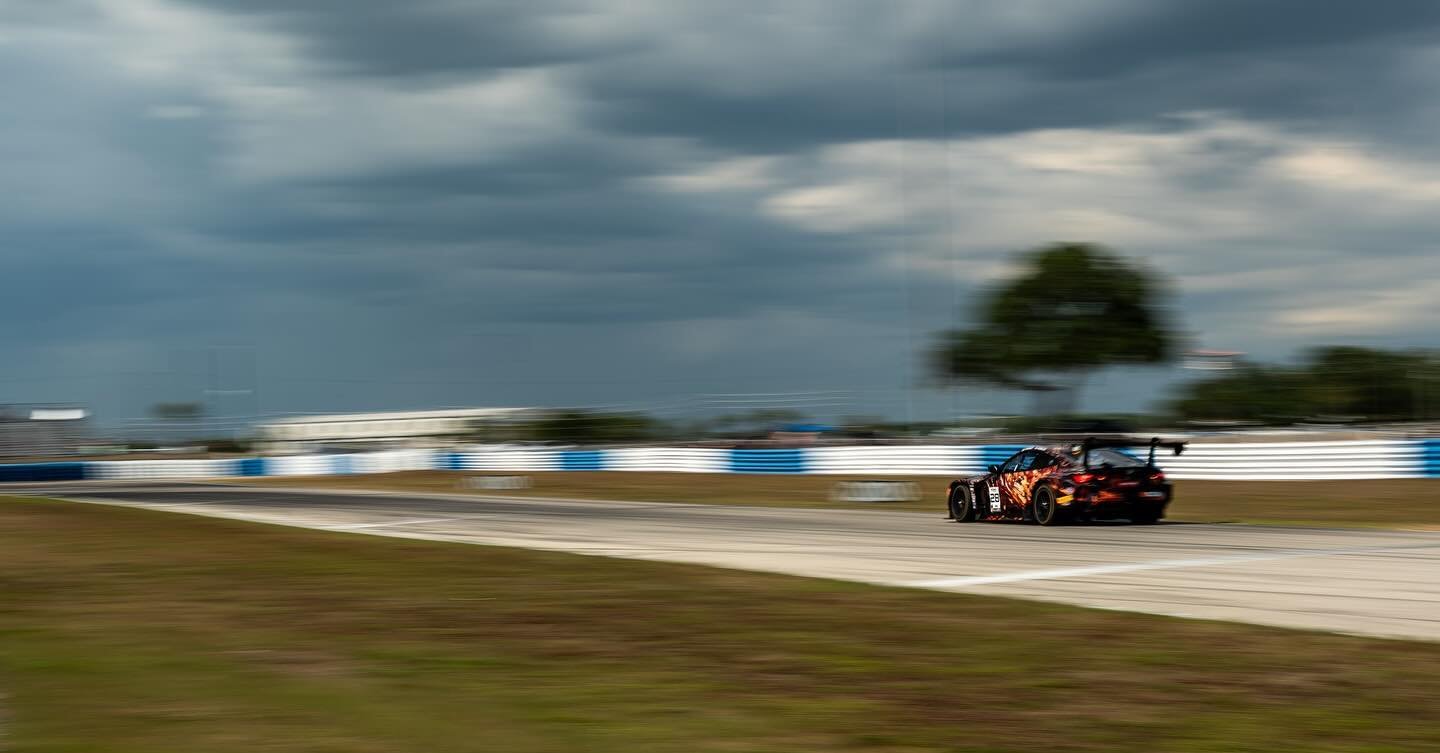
1399, 503
137, 631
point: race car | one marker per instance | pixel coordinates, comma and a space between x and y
1090, 480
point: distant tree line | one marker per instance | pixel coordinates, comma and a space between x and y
1332, 384
1074, 308
588, 427
1336, 384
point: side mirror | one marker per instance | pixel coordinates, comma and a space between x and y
994, 469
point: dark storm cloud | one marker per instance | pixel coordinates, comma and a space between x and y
563, 254
1164, 33
559, 168
48, 270
424, 37
1287, 60
173, 198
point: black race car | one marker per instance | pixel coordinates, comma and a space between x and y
1090, 480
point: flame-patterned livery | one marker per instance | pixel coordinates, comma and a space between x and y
1094, 479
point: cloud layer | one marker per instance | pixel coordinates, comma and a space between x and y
646, 201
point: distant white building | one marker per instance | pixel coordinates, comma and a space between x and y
36, 430
429, 428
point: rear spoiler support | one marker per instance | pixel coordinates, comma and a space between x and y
1093, 443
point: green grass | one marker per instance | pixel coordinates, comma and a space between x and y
1403, 503
144, 632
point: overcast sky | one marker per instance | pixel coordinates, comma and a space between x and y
375, 204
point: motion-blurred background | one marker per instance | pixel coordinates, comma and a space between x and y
679, 221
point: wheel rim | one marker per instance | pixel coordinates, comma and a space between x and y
958, 505
1044, 506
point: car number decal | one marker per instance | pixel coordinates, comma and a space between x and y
994, 494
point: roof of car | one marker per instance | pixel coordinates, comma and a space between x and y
1060, 451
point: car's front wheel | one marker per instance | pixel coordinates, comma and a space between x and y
962, 504
1044, 509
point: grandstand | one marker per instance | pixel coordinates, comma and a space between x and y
43, 430
393, 430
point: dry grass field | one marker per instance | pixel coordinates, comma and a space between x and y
130, 631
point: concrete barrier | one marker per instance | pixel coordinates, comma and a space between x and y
668, 459
1281, 461
937, 460
1419, 458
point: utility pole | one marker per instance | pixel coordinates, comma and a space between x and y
218, 387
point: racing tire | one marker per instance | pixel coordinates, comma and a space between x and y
962, 504
1044, 509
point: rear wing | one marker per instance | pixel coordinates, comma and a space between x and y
1096, 443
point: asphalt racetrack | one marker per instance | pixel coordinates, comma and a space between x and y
1370, 582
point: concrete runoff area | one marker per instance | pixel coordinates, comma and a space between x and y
1383, 503
1366, 582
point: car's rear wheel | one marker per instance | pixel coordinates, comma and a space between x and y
962, 504
1043, 507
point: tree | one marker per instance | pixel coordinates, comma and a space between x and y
177, 411
1334, 383
587, 427
1250, 392
177, 422
1075, 308
1352, 381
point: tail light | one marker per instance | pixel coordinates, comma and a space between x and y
1157, 476
1083, 478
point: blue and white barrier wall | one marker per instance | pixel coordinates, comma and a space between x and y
1274, 460
1258, 461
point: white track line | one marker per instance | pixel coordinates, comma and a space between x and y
1134, 567
417, 521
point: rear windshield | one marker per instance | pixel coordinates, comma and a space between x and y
1114, 458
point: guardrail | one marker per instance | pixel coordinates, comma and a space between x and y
1266, 461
